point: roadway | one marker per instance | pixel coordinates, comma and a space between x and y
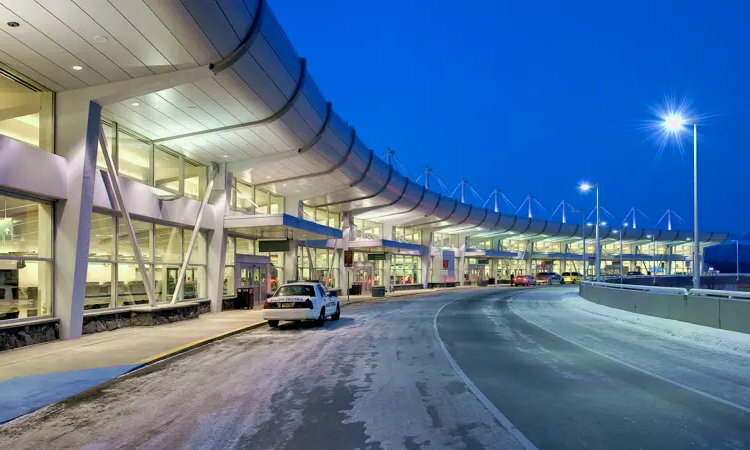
492, 368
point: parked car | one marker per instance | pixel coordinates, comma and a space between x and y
571, 277
634, 273
301, 301
554, 279
524, 280
542, 277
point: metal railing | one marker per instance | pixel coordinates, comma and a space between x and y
636, 287
733, 295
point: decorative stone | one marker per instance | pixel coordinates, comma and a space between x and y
51, 335
100, 327
89, 328
28, 340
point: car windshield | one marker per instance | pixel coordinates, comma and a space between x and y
566, 274
295, 289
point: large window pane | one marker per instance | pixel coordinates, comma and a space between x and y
195, 283
199, 249
130, 287
195, 180
27, 113
102, 242
245, 246
244, 198
228, 281
167, 170
109, 133
142, 234
165, 282
277, 204
25, 227
168, 244
134, 157
99, 278
261, 199
25, 289
229, 260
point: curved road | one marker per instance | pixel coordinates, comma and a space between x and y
488, 368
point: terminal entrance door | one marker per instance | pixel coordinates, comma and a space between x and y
251, 272
476, 273
364, 276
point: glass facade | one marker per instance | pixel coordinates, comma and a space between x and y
406, 269
25, 258
237, 245
323, 259
162, 248
367, 229
27, 110
136, 158
253, 200
409, 235
321, 216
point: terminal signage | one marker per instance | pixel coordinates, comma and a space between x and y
376, 256
483, 261
274, 246
348, 258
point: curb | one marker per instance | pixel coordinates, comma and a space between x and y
143, 367
195, 344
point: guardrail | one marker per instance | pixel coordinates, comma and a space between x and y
728, 310
636, 287
732, 295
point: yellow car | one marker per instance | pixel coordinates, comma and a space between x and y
571, 277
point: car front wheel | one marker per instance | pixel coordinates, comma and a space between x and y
337, 314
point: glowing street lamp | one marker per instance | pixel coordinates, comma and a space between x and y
653, 255
674, 120
585, 187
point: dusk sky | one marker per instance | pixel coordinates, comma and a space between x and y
532, 97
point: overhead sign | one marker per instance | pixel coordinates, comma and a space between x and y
348, 258
274, 246
483, 261
376, 256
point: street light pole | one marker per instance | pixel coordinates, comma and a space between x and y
621, 271
696, 240
598, 249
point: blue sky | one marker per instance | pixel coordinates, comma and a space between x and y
532, 97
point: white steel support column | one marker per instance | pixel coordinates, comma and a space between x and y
387, 272
78, 126
427, 237
530, 246
347, 225
196, 231
493, 268
462, 260
217, 240
115, 186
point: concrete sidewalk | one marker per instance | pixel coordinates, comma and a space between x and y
39, 375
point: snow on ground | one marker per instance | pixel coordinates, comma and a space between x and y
714, 337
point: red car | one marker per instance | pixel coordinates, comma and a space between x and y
524, 280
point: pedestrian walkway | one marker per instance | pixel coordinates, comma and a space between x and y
39, 375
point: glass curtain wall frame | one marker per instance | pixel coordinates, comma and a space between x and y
323, 260
137, 158
26, 257
27, 109
252, 200
114, 278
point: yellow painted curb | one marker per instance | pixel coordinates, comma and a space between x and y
198, 343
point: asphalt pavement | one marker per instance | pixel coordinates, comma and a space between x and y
460, 370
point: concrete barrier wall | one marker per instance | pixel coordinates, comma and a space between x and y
715, 312
735, 315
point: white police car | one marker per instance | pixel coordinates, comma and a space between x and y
303, 300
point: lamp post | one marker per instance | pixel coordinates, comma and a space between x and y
585, 187
653, 255
676, 123
737, 257
583, 234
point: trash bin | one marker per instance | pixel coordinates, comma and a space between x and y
244, 298
378, 291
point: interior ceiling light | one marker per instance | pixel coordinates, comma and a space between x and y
14, 24
226, 156
77, 68
100, 38
135, 104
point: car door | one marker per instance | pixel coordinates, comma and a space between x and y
324, 299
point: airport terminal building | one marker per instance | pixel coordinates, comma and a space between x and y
158, 155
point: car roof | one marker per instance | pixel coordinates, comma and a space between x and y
301, 283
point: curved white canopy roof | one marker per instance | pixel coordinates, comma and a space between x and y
307, 153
